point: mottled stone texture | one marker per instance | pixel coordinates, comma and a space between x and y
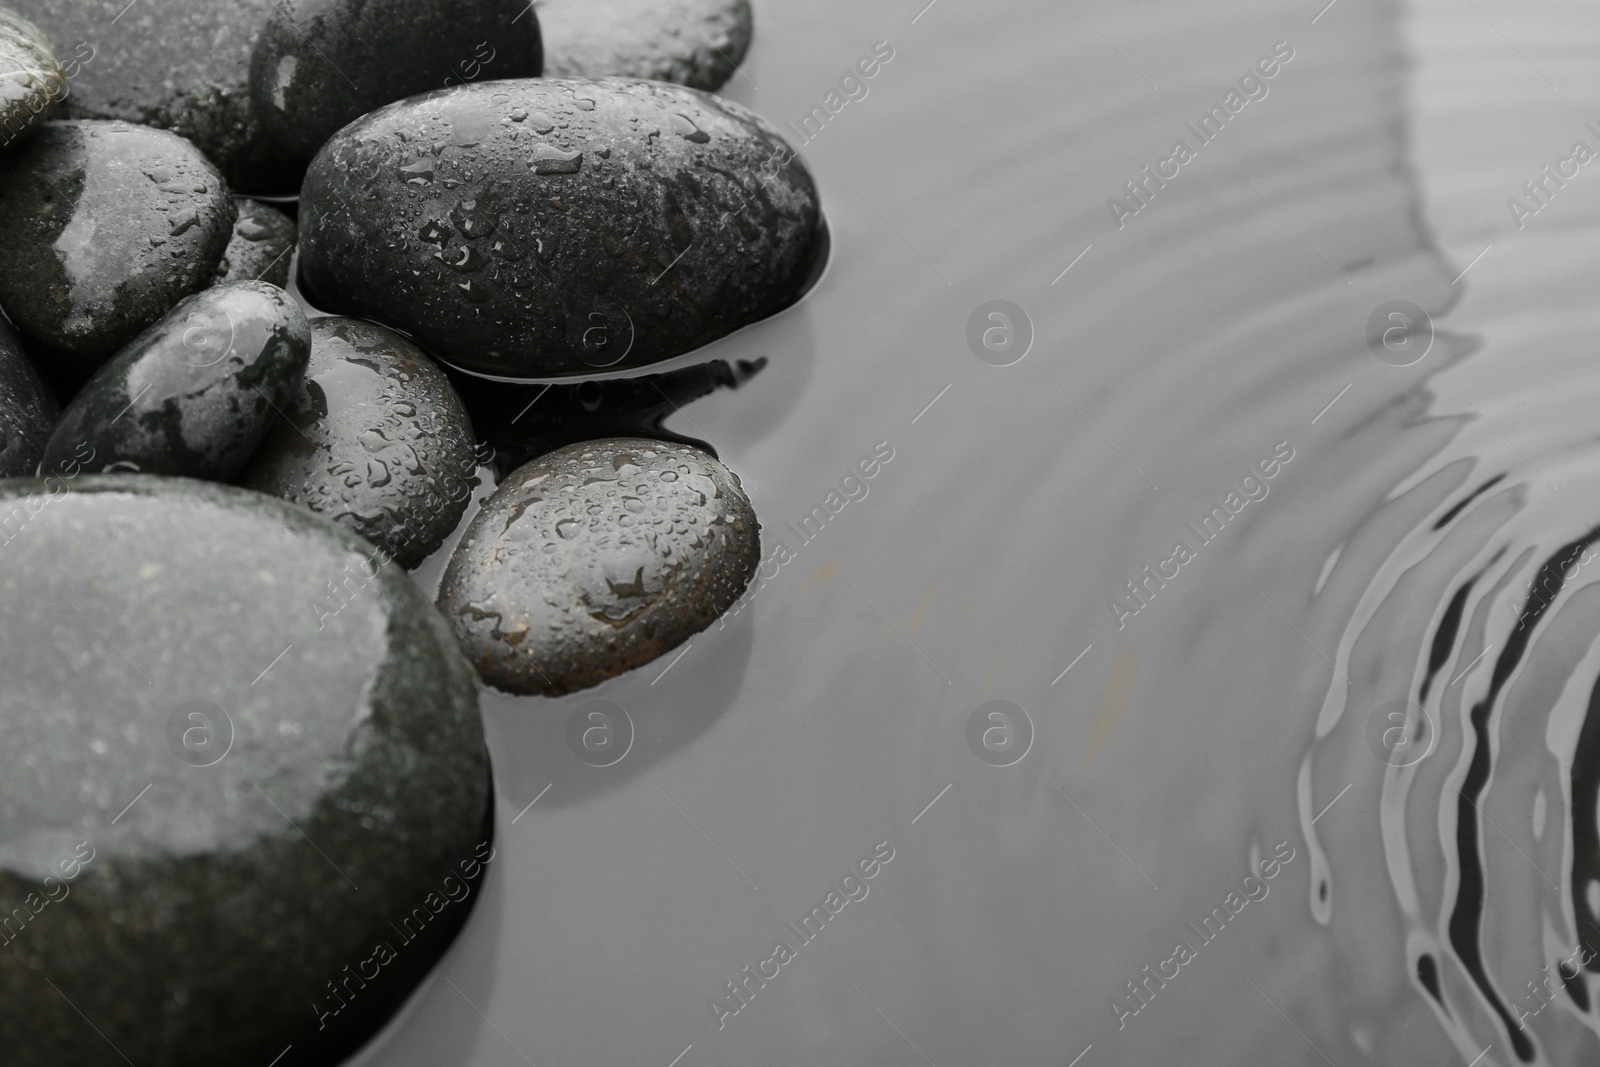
596, 558
32, 81
196, 392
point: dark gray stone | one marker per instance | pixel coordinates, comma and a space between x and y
32, 82
27, 410
261, 245
375, 438
206, 755
595, 559
107, 226
181, 65
697, 43
196, 392
551, 227
319, 64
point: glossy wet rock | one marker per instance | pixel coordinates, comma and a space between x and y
181, 65
319, 64
27, 410
195, 393
697, 43
32, 82
261, 245
597, 558
375, 439
185, 816
107, 226
555, 227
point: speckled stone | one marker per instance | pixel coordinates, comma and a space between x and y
107, 226
196, 392
27, 410
180, 65
319, 64
697, 43
220, 785
375, 439
552, 227
32, 82
261, 245
595, 559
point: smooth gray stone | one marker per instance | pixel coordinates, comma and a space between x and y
206, 754
553, 227
698, 43
28, 411
107, 226
320, 64
32, 82
374, 438
261, 246
180, 65
196, 392
597, 558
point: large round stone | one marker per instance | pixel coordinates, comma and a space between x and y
196, 392
375, 439
107, 225
318, 64
554, 227
243, 772
32, 82
595, 559
27, 410
698, 43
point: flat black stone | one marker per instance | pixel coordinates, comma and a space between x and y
181, 65
32, 82
196, 392
319, 64
698, 43
28, 411
553, 227
374, 438
206, 754
261, 245
107, 226
595, 559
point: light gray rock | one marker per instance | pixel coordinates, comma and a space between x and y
221, 784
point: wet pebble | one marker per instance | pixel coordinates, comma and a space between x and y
107, 226
595, 559
181, 65
32, 82
698, 43
27, 410
374, 438
318, 64
261, 245
554, 227
166, 772
196, 392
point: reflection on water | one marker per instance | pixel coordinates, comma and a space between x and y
1370, 674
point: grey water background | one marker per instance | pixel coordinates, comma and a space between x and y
1170, 751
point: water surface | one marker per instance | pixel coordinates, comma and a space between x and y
1178, 752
